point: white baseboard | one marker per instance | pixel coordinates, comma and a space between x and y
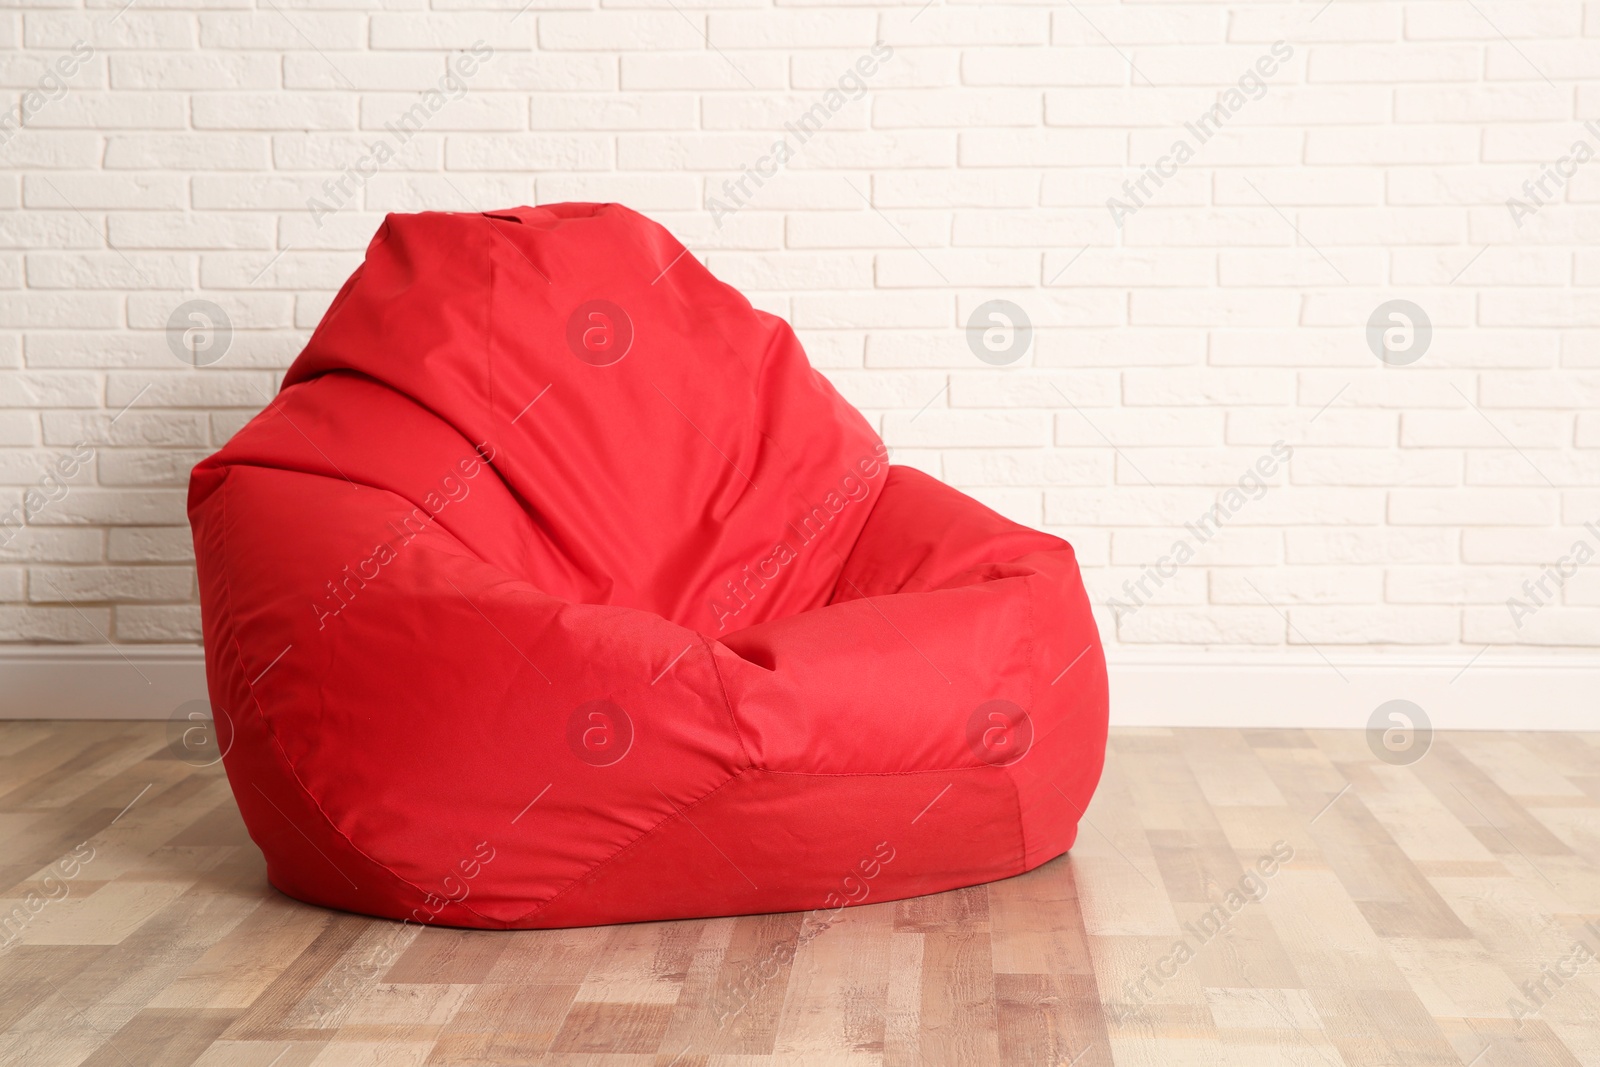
1496, 692
99, 681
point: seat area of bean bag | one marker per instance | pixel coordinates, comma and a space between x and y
555, 588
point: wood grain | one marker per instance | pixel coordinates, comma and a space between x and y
1236, 897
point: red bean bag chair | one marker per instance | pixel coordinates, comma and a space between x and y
555, 588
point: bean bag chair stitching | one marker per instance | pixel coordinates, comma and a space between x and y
266, 724
680, 810
727, 702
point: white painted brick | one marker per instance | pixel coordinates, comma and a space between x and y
1376, 467
1044, 67
1056, 307
846, 149
1163, 108
89, 625
63, 429
1026, 467
1095, 187
86, 192
1452, 507
987, 189
210, 230
281, 31
976, 429
1299, 187
942, 23
178, 71
901, 269
1011, 148
184, 152
1472, 429
1211, 625
100, 584
58, 31
792, 29
108, 270
1438, 144
1207, 387
121, 110
1451, 585
49, 389
105, 507
1168, 23
613, 31
703, 71
1308, 585
1270, 267
1588, 430
1378, 63
1025, 228
1554, 626
150, 544
369, 72
1372, 547
167, 624
1238, 547
1538, 60
1265, 23
1351, 429
821, 68
419, 191
1160, 227
1171, 427
337, 152
457, 31
160, 467
43, 309
272, 111
967, 107
1532, 467
1386, 625
1036, 389
51, 544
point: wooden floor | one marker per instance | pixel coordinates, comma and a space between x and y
1236, 898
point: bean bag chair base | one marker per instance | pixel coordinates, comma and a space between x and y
555, 588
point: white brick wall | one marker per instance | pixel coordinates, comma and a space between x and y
174, 151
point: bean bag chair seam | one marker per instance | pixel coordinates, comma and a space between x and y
679, 811
727, 703
266, 724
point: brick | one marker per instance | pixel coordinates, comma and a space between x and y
174, 623
1379, 625
150, 544
100, 584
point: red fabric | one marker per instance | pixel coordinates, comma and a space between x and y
509, 631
